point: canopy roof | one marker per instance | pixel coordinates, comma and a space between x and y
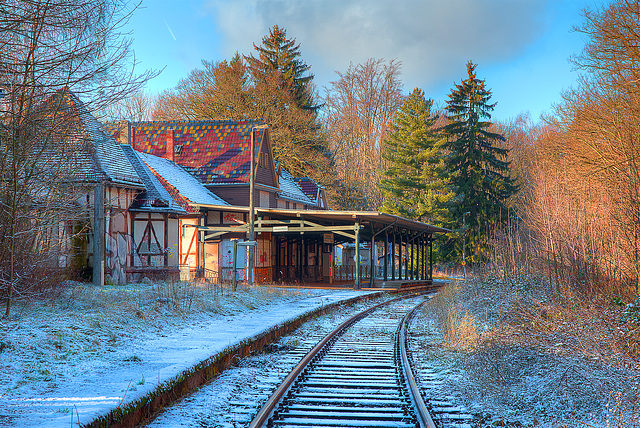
371, 222
342, 223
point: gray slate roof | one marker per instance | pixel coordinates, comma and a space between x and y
97, 156
186, 185
155, 198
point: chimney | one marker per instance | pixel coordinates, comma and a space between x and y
169, 151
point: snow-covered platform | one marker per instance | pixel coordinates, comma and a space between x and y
133, 373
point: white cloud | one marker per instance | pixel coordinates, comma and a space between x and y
432, 38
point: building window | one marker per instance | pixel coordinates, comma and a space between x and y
264, 199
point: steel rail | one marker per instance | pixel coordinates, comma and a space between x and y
422, 412
269, 407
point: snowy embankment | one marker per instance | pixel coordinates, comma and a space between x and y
88, 351
511, 352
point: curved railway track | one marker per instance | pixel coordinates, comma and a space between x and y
359, 375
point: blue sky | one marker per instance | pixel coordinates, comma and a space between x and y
522, 47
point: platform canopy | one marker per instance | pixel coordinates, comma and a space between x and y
345, 224
342, 223
406, 244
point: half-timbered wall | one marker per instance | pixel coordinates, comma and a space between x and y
156, 241
189, 243
118, 239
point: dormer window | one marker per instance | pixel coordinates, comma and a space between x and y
177, 149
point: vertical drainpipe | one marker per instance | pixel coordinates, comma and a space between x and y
357, 278
98, 234
166, 240
200, 246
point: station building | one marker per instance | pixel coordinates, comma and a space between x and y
170, 198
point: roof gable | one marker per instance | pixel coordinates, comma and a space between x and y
309, 187
155, 198
290, 190
216, 152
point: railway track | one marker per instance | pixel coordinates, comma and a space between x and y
359, 375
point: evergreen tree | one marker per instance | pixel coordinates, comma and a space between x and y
478, 166
415, 184
236, 90
277, 53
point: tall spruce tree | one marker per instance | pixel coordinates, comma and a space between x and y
415, 185
278, 53
478, 166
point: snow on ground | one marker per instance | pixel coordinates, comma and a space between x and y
233, 398
507, 376
88, 350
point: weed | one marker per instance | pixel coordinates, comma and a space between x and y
132, 359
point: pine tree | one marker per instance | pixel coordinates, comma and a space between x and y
478, 166
278, 53
415, 185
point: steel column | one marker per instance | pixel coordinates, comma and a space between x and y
431, 259
393, 257
412, 274
386, 254
357, 261
371, 258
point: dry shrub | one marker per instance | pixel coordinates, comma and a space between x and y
540, 352
178, 296
460, 332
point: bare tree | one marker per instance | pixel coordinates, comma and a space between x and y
48, 47
231, 90
359, 107
217, 91
600, 119
139, 107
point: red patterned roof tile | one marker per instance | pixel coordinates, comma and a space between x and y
216, 152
